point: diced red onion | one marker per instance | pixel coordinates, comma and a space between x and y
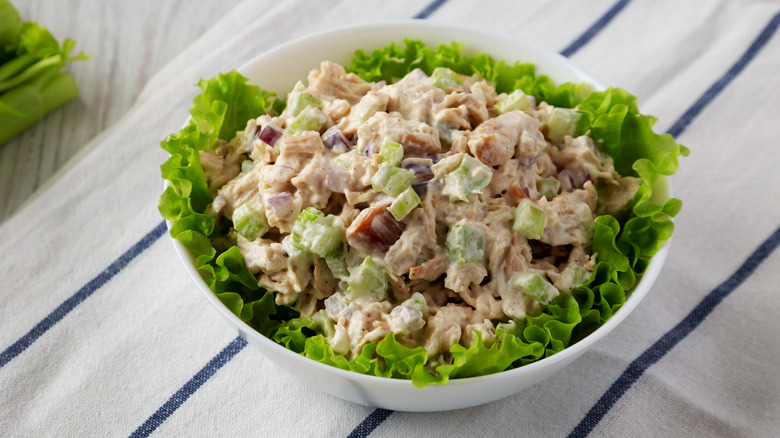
568, 180
421, 170
280, 203
420, 189
334, 139
270, 134
532, 99
337, 179
370, 150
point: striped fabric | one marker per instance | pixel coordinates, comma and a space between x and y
103, 334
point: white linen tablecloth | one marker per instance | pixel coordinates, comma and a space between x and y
102, 333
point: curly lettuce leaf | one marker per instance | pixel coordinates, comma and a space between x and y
624, 245
222, 109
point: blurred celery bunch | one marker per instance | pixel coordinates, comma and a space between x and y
32, 82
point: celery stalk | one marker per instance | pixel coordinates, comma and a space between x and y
10, 24
32, 101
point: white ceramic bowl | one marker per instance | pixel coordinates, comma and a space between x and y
278, 70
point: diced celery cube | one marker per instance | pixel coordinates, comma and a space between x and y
444, 78
562, 122
529, 219
392, 179
510, 326
367, 279
297, 101
369, 105
247, 165
580, 276
464, 244
468, 179
345, 159
515, 101
536, 287
310, 119
404, 203
338, 267
322, 323
249, 222
417, 302
548, 187
391, 152
319, 234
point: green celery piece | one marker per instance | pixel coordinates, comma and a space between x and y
299, 100
515, 101
417, 302
465, 244
10, 24
563, 122
548, 187
38, 41
310, 119
468, 179
368, 279
52, 63
404, 204
536, 287
580, 277
16, 65
345, 159
338, 266
319, 234
445, 78
34, 100
249, 222
322, 323
529, 219
8, 109
391, 152
392, 179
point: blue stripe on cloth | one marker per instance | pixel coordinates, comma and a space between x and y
597, 27
82, 294
430, 9
718, 86
189, 388
371, 422
669, 340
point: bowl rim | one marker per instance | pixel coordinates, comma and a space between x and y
634, 296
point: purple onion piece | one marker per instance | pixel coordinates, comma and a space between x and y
420, 189
370, 150
527, 193
420, 168
532, 99
566, 177
434, 158
337, 179
270, 134
280, 203
334, 139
